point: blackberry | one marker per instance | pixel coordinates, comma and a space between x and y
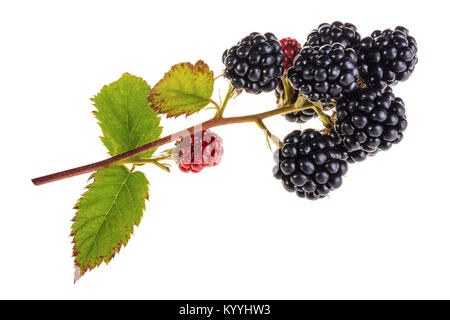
325, 73
309, 164
387, 57
344, 33
291, 48
254, 63
370, 121
200, 150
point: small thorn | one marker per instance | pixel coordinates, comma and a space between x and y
238, 93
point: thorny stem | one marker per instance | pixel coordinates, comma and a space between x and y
166, 157
162, 141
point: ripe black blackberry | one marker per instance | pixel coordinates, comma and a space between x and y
325, 73
344, 33
309, 164
255, 63
370, 120
387, 57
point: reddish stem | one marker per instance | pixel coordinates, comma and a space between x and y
162, 141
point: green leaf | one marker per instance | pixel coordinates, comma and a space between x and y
107, 213
185, 89
126, 119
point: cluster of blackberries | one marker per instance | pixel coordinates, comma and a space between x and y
330, 64
382, 59
200, 150
310, 164
335, 67
255, 63
336, 64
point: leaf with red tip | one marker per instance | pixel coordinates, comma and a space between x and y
185, 89
107, 213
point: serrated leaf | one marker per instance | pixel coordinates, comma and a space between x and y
185, 89
107, 213
125, 117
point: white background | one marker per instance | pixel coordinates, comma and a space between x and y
231, 231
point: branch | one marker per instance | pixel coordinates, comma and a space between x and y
162, 141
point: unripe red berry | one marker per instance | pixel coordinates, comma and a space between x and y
291, 48
200, 150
